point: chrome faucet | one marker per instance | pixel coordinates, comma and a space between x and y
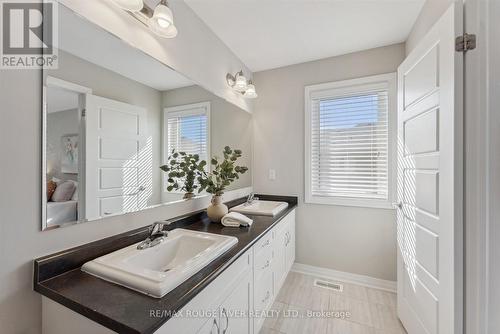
251, 198
157, 234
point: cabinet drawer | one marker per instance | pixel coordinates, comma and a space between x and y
263, 262
263, 291
264, 243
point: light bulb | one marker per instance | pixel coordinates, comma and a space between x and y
241, 83
130, 5
250, 92
163, 23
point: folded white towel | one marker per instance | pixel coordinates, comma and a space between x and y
235, 219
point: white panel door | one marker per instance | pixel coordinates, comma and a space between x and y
118, 157
430, 182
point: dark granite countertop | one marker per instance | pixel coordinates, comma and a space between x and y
120, 309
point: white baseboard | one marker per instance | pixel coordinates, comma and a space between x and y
335, 275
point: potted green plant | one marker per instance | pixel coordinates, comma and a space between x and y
224, 172
183, 170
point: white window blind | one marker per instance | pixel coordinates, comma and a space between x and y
188, 132
349, 142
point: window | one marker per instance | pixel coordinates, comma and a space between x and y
350, 142
187, 129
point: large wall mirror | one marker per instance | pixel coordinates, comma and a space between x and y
111, 116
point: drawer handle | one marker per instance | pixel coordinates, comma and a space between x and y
268, 294
266, 243
266, 265
216, 327
224, 312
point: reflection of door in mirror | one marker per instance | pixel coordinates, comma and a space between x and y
118, 158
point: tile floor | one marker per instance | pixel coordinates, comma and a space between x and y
371, 311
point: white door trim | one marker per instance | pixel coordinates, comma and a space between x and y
60, 83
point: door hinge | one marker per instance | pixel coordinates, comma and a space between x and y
465, 43
84, 113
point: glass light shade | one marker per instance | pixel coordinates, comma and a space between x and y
162, 22
250, 92
130, 5
241, 83
169, 32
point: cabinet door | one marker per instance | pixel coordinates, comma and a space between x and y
279, 257
235, 310
290, 242
210, 327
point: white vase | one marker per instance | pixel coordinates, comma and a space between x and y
217, 209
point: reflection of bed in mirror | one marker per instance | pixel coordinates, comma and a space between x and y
60, 213
125, 115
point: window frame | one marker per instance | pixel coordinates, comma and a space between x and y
185, 110
338, 88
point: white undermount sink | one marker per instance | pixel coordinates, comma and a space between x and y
261, 208
157, 270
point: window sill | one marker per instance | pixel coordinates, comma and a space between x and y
354, 202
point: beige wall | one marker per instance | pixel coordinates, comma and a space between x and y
229, 125
354, 240
430, 13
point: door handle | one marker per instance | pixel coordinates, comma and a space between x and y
398, 205
139, 190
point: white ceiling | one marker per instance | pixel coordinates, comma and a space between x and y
61, 100
267, 34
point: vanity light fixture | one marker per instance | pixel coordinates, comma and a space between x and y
160, 19
240, 84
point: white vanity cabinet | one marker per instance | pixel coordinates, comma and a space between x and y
270, 275
232, 315
235, 310
232, 304
215, 309
290, 241
253, 288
